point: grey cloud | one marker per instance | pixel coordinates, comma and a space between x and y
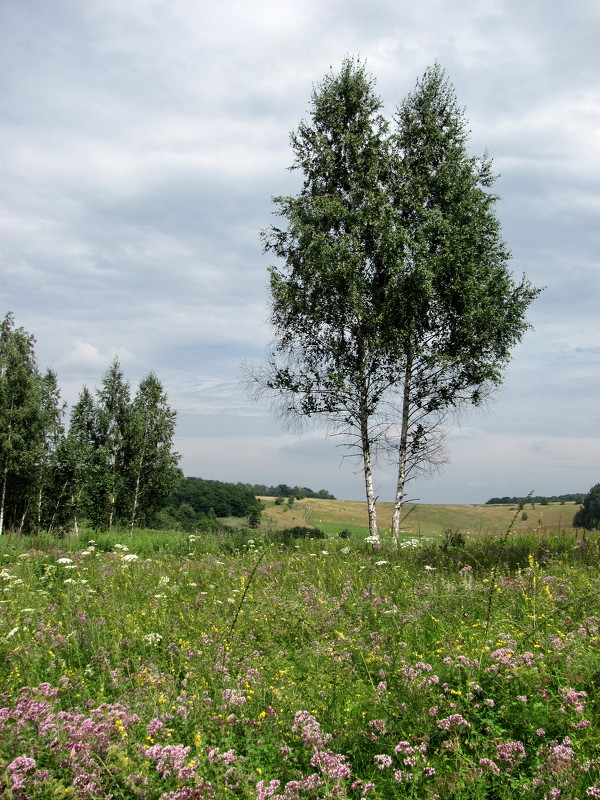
141, 143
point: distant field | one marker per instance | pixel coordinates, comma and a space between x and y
332, 516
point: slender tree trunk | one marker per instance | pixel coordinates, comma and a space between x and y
111, 510
3, 499
56, 507
39, 507
136, 492
402, 455
365, 441
368, 472
138, 478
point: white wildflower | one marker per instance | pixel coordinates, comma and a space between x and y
121, 547
429, 568
12, 633
381, 563
345, 550
153, 638
130, 557
65, 561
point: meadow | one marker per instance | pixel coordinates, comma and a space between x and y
332, 516
169, 666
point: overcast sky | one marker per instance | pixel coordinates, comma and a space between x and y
141, 142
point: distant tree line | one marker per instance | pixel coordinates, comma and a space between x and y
543, 500
283, 490
194, 501
114, 464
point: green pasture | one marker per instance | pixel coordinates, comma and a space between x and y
333, 516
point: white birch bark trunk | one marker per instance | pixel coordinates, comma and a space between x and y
3, 499
402, 457
365, 442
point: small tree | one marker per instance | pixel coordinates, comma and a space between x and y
588, 516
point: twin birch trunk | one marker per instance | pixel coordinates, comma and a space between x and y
402, 457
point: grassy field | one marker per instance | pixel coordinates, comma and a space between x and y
166, 666
332, 516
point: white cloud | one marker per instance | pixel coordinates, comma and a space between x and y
86, 358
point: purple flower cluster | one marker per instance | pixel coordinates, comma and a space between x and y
170, 760
453, 722
309, 729
510, 752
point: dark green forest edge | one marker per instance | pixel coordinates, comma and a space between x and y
196, 503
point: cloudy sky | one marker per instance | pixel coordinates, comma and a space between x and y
141, 142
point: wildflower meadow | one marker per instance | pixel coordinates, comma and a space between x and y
175, 667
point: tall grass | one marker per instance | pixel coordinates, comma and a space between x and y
173, 667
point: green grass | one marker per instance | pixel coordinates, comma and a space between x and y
189, 667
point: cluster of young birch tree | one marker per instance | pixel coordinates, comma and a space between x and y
393, 305
113, 466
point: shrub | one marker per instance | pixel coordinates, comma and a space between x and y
288, 535
453, 538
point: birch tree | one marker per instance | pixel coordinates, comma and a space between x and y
326, 358
30, 425
151, 464
457, 311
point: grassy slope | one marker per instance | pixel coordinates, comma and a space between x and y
332, 516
